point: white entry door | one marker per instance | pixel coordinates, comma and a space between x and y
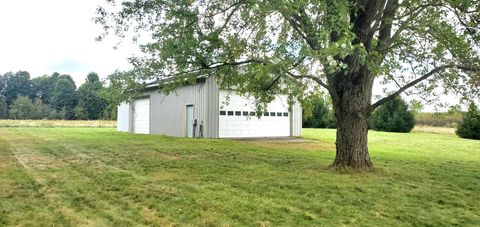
189, 121
141, 116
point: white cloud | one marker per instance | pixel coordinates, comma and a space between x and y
57, 35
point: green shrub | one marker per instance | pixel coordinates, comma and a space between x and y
470, 126
318, 113
393, 116
22, 108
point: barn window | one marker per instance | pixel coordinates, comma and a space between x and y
279, 114
245, 113
230, 113
266, 114
272, 114
223, 112
252, 113
285, 114
238, 113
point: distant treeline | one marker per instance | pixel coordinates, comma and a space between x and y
52, 97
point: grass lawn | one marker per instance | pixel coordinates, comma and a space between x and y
97, 177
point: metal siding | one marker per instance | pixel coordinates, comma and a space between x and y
296, 119
211, 108
168, 112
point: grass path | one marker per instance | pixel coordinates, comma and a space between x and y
98, 177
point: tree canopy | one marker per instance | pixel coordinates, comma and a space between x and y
53, 97
405, 42
64, 97
44, 85
15, 84
89, 99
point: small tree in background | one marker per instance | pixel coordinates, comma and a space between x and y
64, 97
80, 113
416, 107
393, 116
23, 108
42, 110
90, 104
110, 113
470, 126
318, 113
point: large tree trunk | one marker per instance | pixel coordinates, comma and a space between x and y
352, 140
352, 111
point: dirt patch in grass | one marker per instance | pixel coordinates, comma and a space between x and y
37, 161
305, 145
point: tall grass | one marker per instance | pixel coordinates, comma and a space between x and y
59, 123
439, 119
431, 129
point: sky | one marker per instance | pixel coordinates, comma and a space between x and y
48, 36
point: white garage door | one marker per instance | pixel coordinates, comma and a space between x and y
141, 116
238, 118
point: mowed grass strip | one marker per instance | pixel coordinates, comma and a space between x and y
80, 176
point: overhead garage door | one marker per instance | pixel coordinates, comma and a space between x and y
238, 118
141, 116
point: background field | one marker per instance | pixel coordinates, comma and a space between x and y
96, 176
439, 119
59, 123
113, 124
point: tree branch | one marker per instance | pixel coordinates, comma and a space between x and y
235, 4
304, 28
274, 81
320, 82
211, 66
230, 15
422, 78
468, 28
404, 22
385, 31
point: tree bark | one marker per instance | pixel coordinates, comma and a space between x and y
352, 141
352, 111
